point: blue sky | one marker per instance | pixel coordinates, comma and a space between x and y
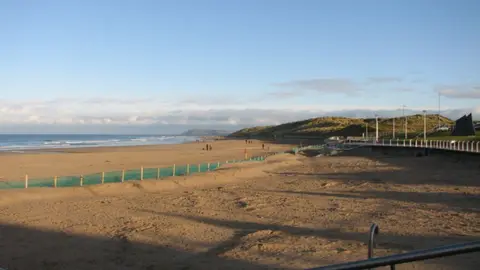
234, 62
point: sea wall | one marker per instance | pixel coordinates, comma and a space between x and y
424, 152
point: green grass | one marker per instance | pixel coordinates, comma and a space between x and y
446, 136
323, 127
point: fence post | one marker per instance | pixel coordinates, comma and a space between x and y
410, 142
199, 168
174, 170
404, 143
103, 177
81, 180
208, 167
218, 164
158, 173
390, 142
26, 180
141, 173
55, 181
416, 143
478, 146
188, 169
123, 175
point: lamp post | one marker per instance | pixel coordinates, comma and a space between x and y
366, 130
393, 128
424, 125
439, 95
376, 127
406, 121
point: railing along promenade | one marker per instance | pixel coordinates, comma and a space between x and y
450, 145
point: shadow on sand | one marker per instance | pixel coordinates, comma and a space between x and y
431, 170
24, 248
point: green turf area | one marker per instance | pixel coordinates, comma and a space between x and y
446, 136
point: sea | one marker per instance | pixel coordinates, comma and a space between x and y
21, 142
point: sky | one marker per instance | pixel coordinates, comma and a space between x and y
165, 66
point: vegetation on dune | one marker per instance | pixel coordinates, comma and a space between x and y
344, 126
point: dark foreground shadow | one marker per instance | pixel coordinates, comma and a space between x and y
24, 248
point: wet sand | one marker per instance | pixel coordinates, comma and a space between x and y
289, 212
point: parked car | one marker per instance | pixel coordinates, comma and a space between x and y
444, 128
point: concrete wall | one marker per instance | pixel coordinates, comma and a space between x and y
421, 152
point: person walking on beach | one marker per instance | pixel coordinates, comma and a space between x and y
263, 146
206, 147
210, 147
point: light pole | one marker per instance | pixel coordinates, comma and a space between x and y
406, 121
424, 125
393, 128
376, 127
439, 95
366, 130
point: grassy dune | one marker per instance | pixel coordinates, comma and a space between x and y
343, 126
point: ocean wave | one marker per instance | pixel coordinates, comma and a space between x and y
77, 142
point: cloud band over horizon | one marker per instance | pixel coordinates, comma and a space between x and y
150, 114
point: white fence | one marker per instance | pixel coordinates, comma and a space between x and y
460, 146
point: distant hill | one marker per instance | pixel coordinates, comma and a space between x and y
343, 126
205, 132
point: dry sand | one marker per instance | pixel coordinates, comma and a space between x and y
289, 212
66, 162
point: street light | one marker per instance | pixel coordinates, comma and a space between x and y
424, 125
366, 130
393, 128
406, 121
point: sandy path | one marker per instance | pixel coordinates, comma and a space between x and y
66, 162
289, 212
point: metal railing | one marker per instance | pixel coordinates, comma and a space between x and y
460, 146
393, 260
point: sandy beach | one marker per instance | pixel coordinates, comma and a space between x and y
77, 161
288, 212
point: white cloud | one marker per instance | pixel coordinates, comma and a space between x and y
326, 85
373, 80
334, 86
155, 113
459, 91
